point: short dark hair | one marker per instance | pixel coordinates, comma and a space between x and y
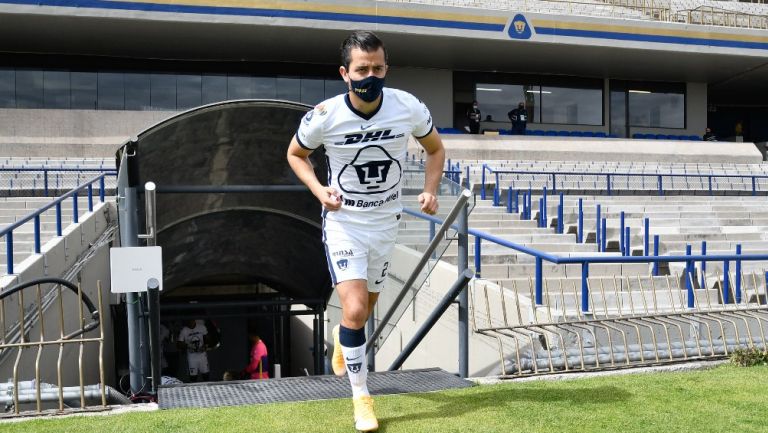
364, 40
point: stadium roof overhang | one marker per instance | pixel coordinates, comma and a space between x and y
727, 75
219, 239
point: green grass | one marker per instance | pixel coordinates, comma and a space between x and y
725, 399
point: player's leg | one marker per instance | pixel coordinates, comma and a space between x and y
353, 295
203, 368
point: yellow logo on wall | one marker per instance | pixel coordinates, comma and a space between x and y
519, 26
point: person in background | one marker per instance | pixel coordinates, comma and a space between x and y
474, 116
193, 339
258, 368
519, 118
709, 135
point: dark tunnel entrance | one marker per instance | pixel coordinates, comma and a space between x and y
241, 237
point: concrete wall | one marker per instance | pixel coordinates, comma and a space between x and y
49, 132
433, 86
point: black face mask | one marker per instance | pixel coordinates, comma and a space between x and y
368, 89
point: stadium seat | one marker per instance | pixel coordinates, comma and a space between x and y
550, 133
538, 132
600, 135
563, 133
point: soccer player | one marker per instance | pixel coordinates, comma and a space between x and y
365, 133
192, 338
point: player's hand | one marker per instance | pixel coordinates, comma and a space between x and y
330, 199
428, 202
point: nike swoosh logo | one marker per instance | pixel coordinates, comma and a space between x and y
349, 359
363, 127
378, 281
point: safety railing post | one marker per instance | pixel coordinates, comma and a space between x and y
726, 282
584, 287
75, 212
539, 281
478, 252
516, 202
9, 253
541, 212
604, 234
754, 186
90, 197
703, 284
58, 219
621, 232
509, 200
45, 182
580, 226
627, 246
544, 208
655, 254
710, 185
482, 184
554, 182
560, 223
466, 169
432, 235
738, 274
101, 188
646, 236
597, 230
37, 234
608, 183
689, 277
496, 191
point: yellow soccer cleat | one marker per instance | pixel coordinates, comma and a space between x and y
337, 358
365, 419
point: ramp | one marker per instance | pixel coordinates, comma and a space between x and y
305, 388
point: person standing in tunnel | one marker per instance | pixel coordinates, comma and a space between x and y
365, 133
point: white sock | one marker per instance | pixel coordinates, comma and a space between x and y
357, 369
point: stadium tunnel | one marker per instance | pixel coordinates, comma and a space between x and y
239, 260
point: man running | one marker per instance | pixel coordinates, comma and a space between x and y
365, 133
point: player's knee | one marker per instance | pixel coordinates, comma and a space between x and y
356, 315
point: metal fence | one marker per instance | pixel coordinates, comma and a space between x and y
27, 332
47, 181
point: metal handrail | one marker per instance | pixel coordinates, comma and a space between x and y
35, 216
425, 257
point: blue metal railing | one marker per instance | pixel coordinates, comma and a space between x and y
540, 256
551, 177
47, 171
56, 203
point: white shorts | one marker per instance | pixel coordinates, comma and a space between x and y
357, 253
198, 363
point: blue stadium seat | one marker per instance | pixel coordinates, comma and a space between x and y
538, 132
550, 133
563, 133
659, 136
610, 135
588, 134
694, 138
575, 134
638, 135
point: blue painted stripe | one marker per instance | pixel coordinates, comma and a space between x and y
272, 13
650, 38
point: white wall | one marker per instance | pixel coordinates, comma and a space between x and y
433, 86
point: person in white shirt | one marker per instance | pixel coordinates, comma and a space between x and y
193, 339
365, 134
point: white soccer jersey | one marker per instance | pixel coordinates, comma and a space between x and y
366, 153
194, 338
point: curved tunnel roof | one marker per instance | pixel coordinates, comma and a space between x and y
232, 238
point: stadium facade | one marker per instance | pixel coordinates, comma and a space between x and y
94, 72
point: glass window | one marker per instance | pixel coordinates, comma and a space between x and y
83, 93
137, 92
111, 91
289, 89
189, 91
163, 92
264, 88
335, 87
56, 89
497, 100
654, 107
7, 88
571, 106
29, 89
239, 87
312, 91
214, 88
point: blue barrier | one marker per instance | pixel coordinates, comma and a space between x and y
580, 227
552, 176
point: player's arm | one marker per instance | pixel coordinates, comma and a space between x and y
298, 159
433, 171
